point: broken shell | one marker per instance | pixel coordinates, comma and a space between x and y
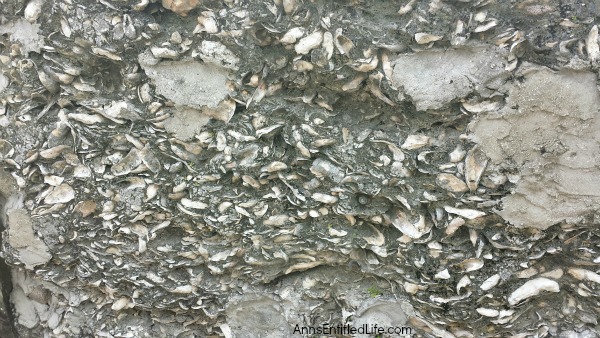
61, 194
324, 198
292, 35
532, 288
471, 264
415, 142
274, 167
181, 7
490, 282
475, 163
33, 10
423, 38
583, 274
488, 312
451, 183
342, 43
193, 204
309, 43
466, 213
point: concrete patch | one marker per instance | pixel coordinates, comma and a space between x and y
433, 79
32, 251
189, 83
25, 33
550, 128
260, 316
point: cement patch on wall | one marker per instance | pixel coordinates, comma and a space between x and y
550, 129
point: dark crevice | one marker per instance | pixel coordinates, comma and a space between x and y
7, 328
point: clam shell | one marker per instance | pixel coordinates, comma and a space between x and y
61, 194
532, 288
308, 43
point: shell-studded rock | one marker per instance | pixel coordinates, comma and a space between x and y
186, 168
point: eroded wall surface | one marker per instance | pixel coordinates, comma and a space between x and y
251, 169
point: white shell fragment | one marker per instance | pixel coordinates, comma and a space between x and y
415, 142
423, 38
593, 49
490, 282
451, 183
309, 42
292, 35
324, 198
466, 213
583, 274
532, 288
61, 194
488, 312
193, 204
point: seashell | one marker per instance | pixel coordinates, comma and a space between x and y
466, 213
324, 142
475, 163
407, 8
85, 208
86, 118
289, 6
462, 283
277, 220
457, 154
490, 282
328, 44
415, 142
444, 274
33, 10
354, 84
342, 43
105, 53
324, 198
82, 171
309, 42
583, 274
53, 152
488, 312
471, 264
184, 289
274, 167
53, 180
532, 288
180, 7
454, 225
486, 27
61, 194
303, 66
127, 164
121, 303
592, 47
292, 35
423, 38
414, 231
451, 183
164, 53
65, 28
207, 23
482, 106
193, 204
480, 16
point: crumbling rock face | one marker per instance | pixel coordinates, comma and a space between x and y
245, 169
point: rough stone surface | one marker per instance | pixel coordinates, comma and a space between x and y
32, 251
189, 84
433, 79
257, 168
549, 129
